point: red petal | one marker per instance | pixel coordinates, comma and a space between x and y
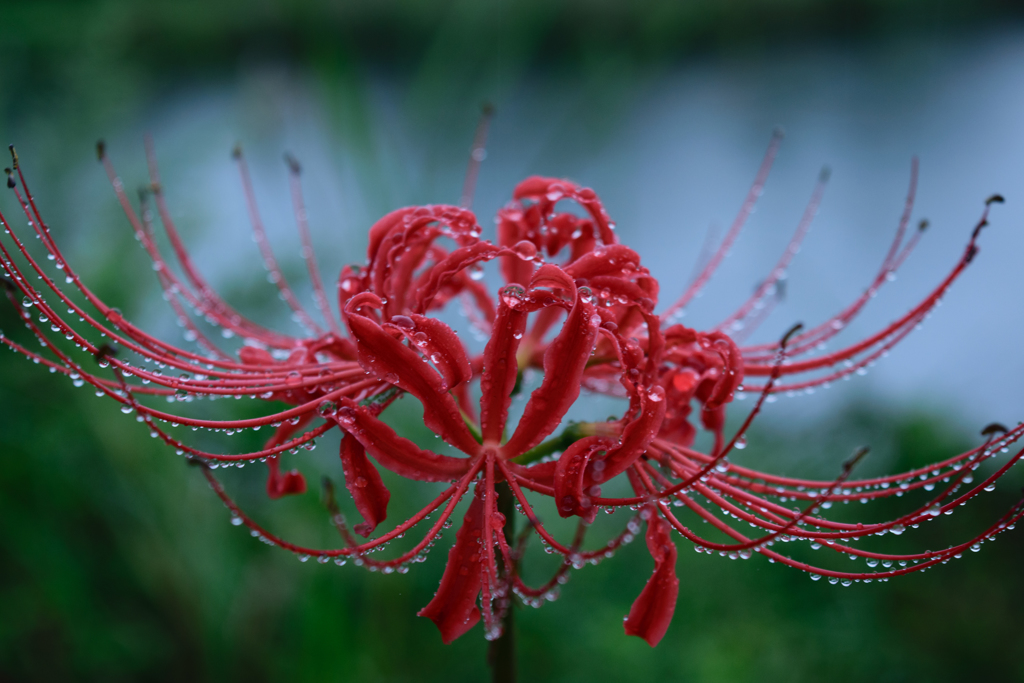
568, 479
499, 372
364, 485
636, 436
534, 186
443, 271
564, 362
397, 364
651, 613
395, 453
253, 356
611, 260
513, 268
279, 485
553, 277
444, 348
381, 228
537, 188
453, 609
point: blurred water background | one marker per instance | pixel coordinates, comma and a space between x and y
117, 563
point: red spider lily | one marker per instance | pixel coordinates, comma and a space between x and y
575, 305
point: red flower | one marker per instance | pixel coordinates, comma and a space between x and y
576, 305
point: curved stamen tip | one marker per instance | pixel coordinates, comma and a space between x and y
7, 284
995, 199
105, 351
196, 462
487, 109
236, 151
293, 164
327, 494
824, 174
923, 225
101, 149
857, 456
14, 156
993, 429
789, 335
11, 183
779, 132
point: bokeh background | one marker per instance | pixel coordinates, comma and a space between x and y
118, 563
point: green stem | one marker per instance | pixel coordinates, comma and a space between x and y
501, 653
571, 434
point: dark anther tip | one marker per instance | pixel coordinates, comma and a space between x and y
995, 199
236, 151
7, 284
993, 429
487, 109
11, 182
923, 225
196, 462
105, 351
779, 132
789, 335
293, 164
144, 191
824, 174
101, 149
14, 156
327, 498
856, 458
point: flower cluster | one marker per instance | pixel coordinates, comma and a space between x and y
576, 309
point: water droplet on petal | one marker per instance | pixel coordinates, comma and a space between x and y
512, 296
403, 321
525, 249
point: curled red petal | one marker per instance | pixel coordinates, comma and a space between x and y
533, 186
394, 452
397, 364
252, 356
279, 485
610, 260
564, 362
381, 228
364, 485
568, 478
453, 609
513, 268
636, 437
499, 371
443, 271
548, 191
651, 613
444, 349
553, 277
732, 370
291, 482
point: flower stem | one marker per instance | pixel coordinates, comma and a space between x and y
501, 653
